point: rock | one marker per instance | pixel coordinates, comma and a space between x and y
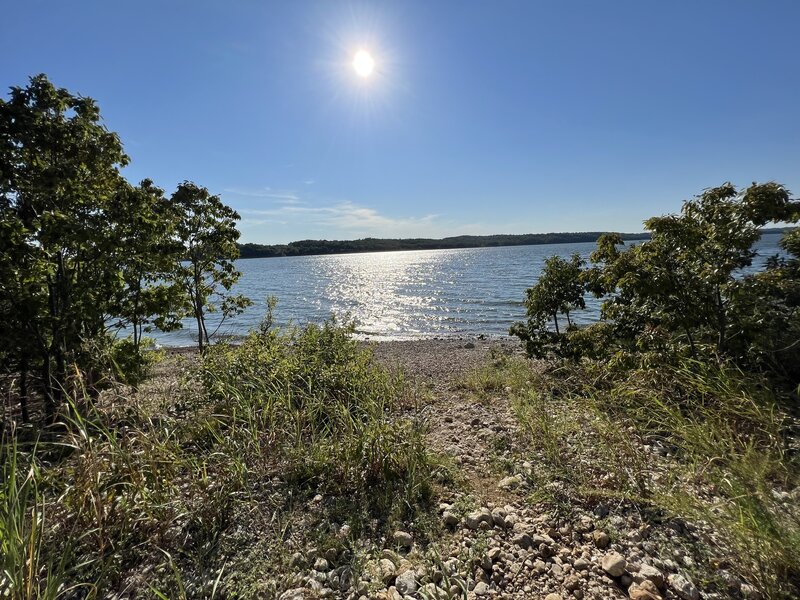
321, 565
297, 560
581, 564
614, 564
508, 483
481, 589
406, 582
293, 594
387, 570
644, 591
449, 519
553, 597
494, 554
469, 345
403, 539
523, 540
499, 517
650, 573
601, 539
683, 587
748, 591
474, 519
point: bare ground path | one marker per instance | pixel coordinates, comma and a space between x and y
498, 542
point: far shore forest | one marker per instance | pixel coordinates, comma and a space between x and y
687, 350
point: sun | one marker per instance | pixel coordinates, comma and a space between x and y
363, 63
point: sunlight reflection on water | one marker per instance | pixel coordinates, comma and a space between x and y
404, 295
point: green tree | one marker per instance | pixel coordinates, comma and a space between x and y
207, 229
558, 291
58, 168
142, 238
681, 284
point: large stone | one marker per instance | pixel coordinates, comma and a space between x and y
509, 483
646, 590
321, 565
406, 582
387, 570
481, 589
650, 573
683, 587
614, 564
403, 539
449, 519
523, 540
553, 597
293, 594
474, 519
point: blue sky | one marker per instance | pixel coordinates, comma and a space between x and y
481, 117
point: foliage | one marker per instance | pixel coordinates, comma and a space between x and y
559, 290
321, 408
683, 292
170, 483
143, 224
59, 167
311, 247
85, 256
207, 229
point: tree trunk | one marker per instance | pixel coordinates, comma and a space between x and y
555, 320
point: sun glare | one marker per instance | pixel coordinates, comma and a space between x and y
363, 63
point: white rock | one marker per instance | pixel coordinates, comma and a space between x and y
508, 483
406, 582
683, 587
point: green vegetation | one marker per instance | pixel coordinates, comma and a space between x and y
692, 360
698, 441
86, 256
311, 247
681, 293
181, 484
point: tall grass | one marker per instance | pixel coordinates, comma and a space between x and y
167, 486
727, 435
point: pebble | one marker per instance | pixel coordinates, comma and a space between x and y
601, 539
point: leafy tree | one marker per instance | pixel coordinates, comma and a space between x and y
58, 168
684, 290
681, 283
207, 229
147, 252
559, 290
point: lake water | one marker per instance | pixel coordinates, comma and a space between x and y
405, 295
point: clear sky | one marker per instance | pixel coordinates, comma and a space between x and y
480, 117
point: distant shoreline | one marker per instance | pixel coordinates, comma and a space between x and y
324, 247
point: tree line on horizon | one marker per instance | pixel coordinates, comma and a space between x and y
322, 247
86, 256
313, 247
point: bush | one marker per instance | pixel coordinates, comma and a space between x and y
319, 406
